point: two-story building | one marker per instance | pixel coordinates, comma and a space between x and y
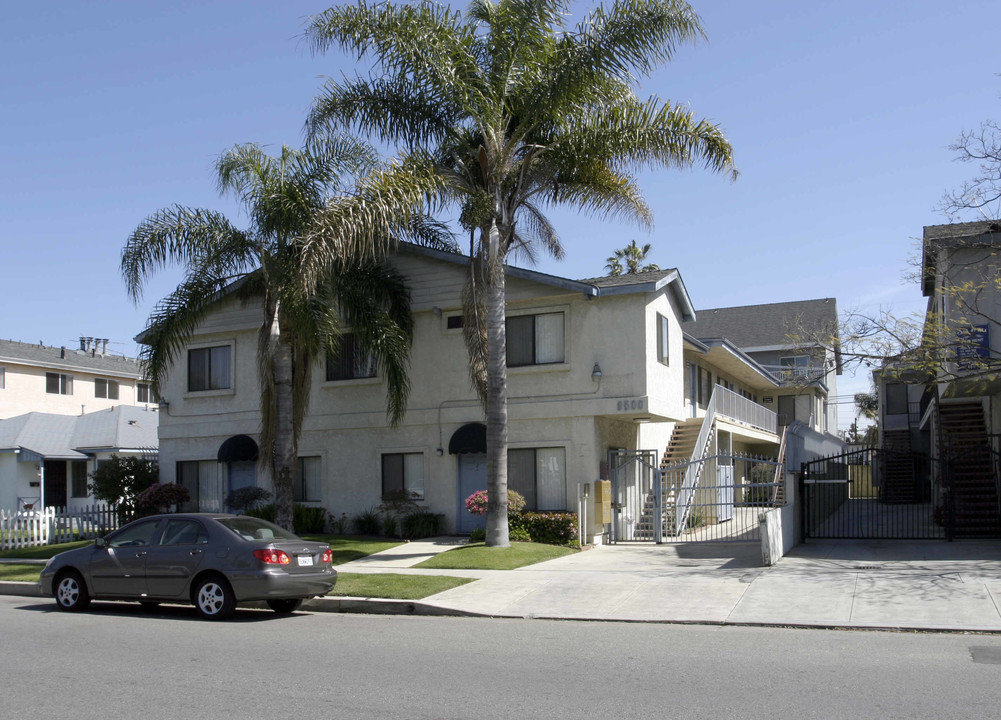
943, 399
593, 365
68, 381
62, 411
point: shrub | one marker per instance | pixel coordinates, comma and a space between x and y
550, 528
367, 523
306, 520
160, 497
242, 499
421, 523
478, 535
519, 534
477, 502
338, 525
389, 525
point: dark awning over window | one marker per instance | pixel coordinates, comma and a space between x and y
238, 448
470, 438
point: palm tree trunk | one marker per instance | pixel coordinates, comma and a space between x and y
497, 527
284, 448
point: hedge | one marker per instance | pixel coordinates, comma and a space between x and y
550, 528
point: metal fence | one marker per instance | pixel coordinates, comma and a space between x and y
31, 528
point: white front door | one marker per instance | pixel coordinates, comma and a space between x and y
472, 477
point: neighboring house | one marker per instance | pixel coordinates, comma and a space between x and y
45, 458
796, 343
593, 365
943, 400
67, 381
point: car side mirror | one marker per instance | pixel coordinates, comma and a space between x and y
99, 542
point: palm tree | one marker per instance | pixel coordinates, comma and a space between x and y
633, 255
281, 196
501, 113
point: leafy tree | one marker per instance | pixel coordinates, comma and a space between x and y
119, 480
502, 113
630, 260
300, 321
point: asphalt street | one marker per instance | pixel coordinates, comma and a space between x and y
119, 661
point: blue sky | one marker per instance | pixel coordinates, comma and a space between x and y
840, 115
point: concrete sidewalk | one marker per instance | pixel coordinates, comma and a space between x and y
920, 585
869, 584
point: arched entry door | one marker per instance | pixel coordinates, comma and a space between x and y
239, 453
469, 443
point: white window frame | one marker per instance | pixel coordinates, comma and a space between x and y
303, 490
418, 458
108, 384
536, 313
65, 383
663, 339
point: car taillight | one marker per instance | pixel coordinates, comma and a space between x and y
327, 557
272, 557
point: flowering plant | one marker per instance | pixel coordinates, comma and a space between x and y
477, 502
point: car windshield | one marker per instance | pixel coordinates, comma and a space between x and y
251, 528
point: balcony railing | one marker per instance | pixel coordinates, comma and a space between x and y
798, 375
736, 407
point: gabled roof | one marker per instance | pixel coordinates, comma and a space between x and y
67, 359
69, 437
768, 325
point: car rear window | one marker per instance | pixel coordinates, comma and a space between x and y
250, 528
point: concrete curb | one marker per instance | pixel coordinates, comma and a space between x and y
369, 606
24, 589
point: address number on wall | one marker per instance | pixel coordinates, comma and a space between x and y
627, 405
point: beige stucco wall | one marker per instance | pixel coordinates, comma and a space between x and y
24, 391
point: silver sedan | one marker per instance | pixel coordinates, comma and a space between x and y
211, 560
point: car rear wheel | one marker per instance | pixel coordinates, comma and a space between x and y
284, 607
71, 592
214, 598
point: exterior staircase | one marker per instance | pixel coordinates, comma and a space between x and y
680, 450
899, 481
970, 470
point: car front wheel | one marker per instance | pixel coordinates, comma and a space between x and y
284, 607
71, 592
214, 598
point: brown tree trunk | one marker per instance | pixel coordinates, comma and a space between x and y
284, 446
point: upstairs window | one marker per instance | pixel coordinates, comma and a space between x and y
3, 378
535, 339
145, 394
896, 399
796, 365
58, 384
106, 389
208, 368
663, 340
352, 362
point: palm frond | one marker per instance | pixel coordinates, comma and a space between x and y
180, 235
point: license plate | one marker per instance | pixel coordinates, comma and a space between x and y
305, 560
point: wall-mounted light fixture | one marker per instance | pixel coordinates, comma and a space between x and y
596, 372
439, 452
436, 310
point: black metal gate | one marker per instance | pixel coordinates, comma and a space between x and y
879, 493
714, 499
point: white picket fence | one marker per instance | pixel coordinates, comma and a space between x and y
29, 528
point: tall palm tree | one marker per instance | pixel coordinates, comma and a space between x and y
504, 112
633, 256
281, 195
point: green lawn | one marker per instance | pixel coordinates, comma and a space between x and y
351, 547
21, 573
43, 552
397, 587
480, 557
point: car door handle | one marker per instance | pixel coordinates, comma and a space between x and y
195, 552
140, 554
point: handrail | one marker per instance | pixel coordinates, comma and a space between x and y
683, 501
737, 407
780, 467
